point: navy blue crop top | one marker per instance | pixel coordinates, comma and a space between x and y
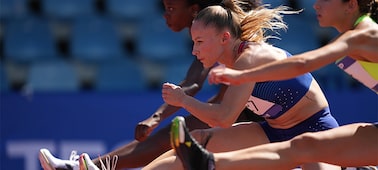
272, 99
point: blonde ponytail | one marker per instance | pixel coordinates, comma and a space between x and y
257, 22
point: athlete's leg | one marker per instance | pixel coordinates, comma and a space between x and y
217, 140
347, 146
164, 163
241, 135
136, 154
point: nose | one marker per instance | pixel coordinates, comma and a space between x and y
165, 15
194, 51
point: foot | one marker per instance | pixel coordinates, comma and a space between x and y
49, 162
86, 163
192, 155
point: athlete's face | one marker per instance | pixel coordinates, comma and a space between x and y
330, 13
178, 14
207, 44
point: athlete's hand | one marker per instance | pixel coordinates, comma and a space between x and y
173, 94
221, 74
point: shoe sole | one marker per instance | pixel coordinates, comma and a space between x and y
177, 131
44, 161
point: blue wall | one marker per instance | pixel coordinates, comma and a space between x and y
98, 122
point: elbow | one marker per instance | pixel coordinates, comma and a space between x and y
301, 65
192, 89
222, 122
225, 124
226, 117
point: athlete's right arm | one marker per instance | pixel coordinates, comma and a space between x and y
195, 77
358, 44
362, 44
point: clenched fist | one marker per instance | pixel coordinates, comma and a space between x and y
173, 94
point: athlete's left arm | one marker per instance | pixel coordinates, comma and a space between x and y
222, 114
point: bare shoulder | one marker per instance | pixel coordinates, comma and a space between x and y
371, 31
368, 34
256, 54
363, 43
361, 35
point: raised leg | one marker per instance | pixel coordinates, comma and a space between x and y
137, 154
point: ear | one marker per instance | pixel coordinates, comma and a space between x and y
195, 9
226, 36
352, 6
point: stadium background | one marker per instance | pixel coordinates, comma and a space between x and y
80, 74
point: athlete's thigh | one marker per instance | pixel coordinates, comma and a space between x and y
236, 137
193, 123
164, 163
344, 145
363, 143
169, 154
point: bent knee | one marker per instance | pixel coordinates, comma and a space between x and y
305, 144
305, 140
202, 136
196, 134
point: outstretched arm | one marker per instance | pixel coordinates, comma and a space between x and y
359, 44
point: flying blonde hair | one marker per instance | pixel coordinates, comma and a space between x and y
248, 26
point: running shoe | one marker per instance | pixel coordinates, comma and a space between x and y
192, 155
49, 162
